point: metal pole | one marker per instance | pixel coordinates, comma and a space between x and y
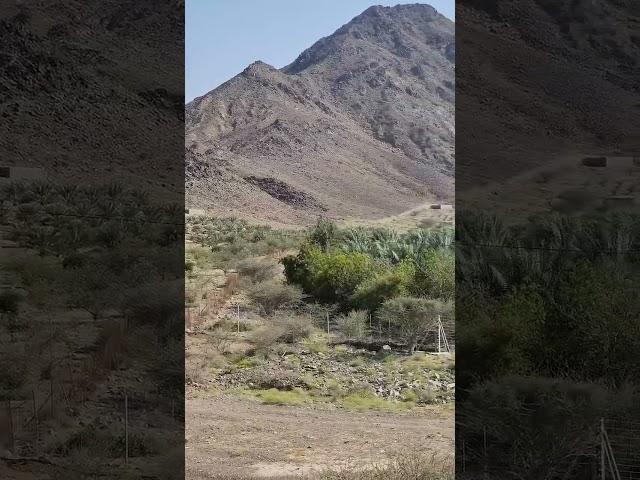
238, 310
464, 457
439, 333
51, 392
602, 450
11, 432
126, 430
328, 332
484, 448
35, 416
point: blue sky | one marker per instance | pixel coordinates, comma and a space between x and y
224, 36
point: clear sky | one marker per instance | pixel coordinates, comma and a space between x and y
224, 36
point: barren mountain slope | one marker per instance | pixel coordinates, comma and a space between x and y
564, 73
67, 65
360, 125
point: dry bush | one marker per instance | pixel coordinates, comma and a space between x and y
355, 324
230, 324
272, 295
258, 269
411, 466
112, 346
265, 338
280, 380
231, 285
294, 327
285, 329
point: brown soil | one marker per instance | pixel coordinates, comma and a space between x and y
230, 437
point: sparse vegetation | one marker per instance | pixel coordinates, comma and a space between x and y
313, 337
271, 295
413, 466
95, 268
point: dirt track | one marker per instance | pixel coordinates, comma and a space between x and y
229, 437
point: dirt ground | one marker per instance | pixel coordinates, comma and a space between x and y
230, 437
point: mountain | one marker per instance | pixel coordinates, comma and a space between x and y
539, 79
91, 89
360, 125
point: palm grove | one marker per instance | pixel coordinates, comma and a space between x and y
380, 280
548, 340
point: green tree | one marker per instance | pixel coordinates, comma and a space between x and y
411, 318
324, 233
435, 274
374, 291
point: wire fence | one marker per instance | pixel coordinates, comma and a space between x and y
26, 423
607, 450
438, 336
624, 439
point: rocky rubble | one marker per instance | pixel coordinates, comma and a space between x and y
344, 370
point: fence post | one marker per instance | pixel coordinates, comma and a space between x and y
126, 429
328, 329
484, 448
464, 457
35, 417
602, 450
51, 393
238, 314
439, 334
11, 433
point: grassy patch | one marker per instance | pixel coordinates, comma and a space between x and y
420, 361
316, 344
368, 401
283, 397
246, 362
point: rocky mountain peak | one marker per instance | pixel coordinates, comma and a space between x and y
375, 97
258, 68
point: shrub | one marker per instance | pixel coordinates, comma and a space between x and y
410, 318
258, 270
354, 324
287, 329
324, 233
414, 466
263, 379
9, 302
12, 377
271, 295
435, 274
330, 277
375, 291
294, 328
264, 338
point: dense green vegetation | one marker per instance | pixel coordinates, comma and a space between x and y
404, 280
548, 337
314, 333
229, 240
